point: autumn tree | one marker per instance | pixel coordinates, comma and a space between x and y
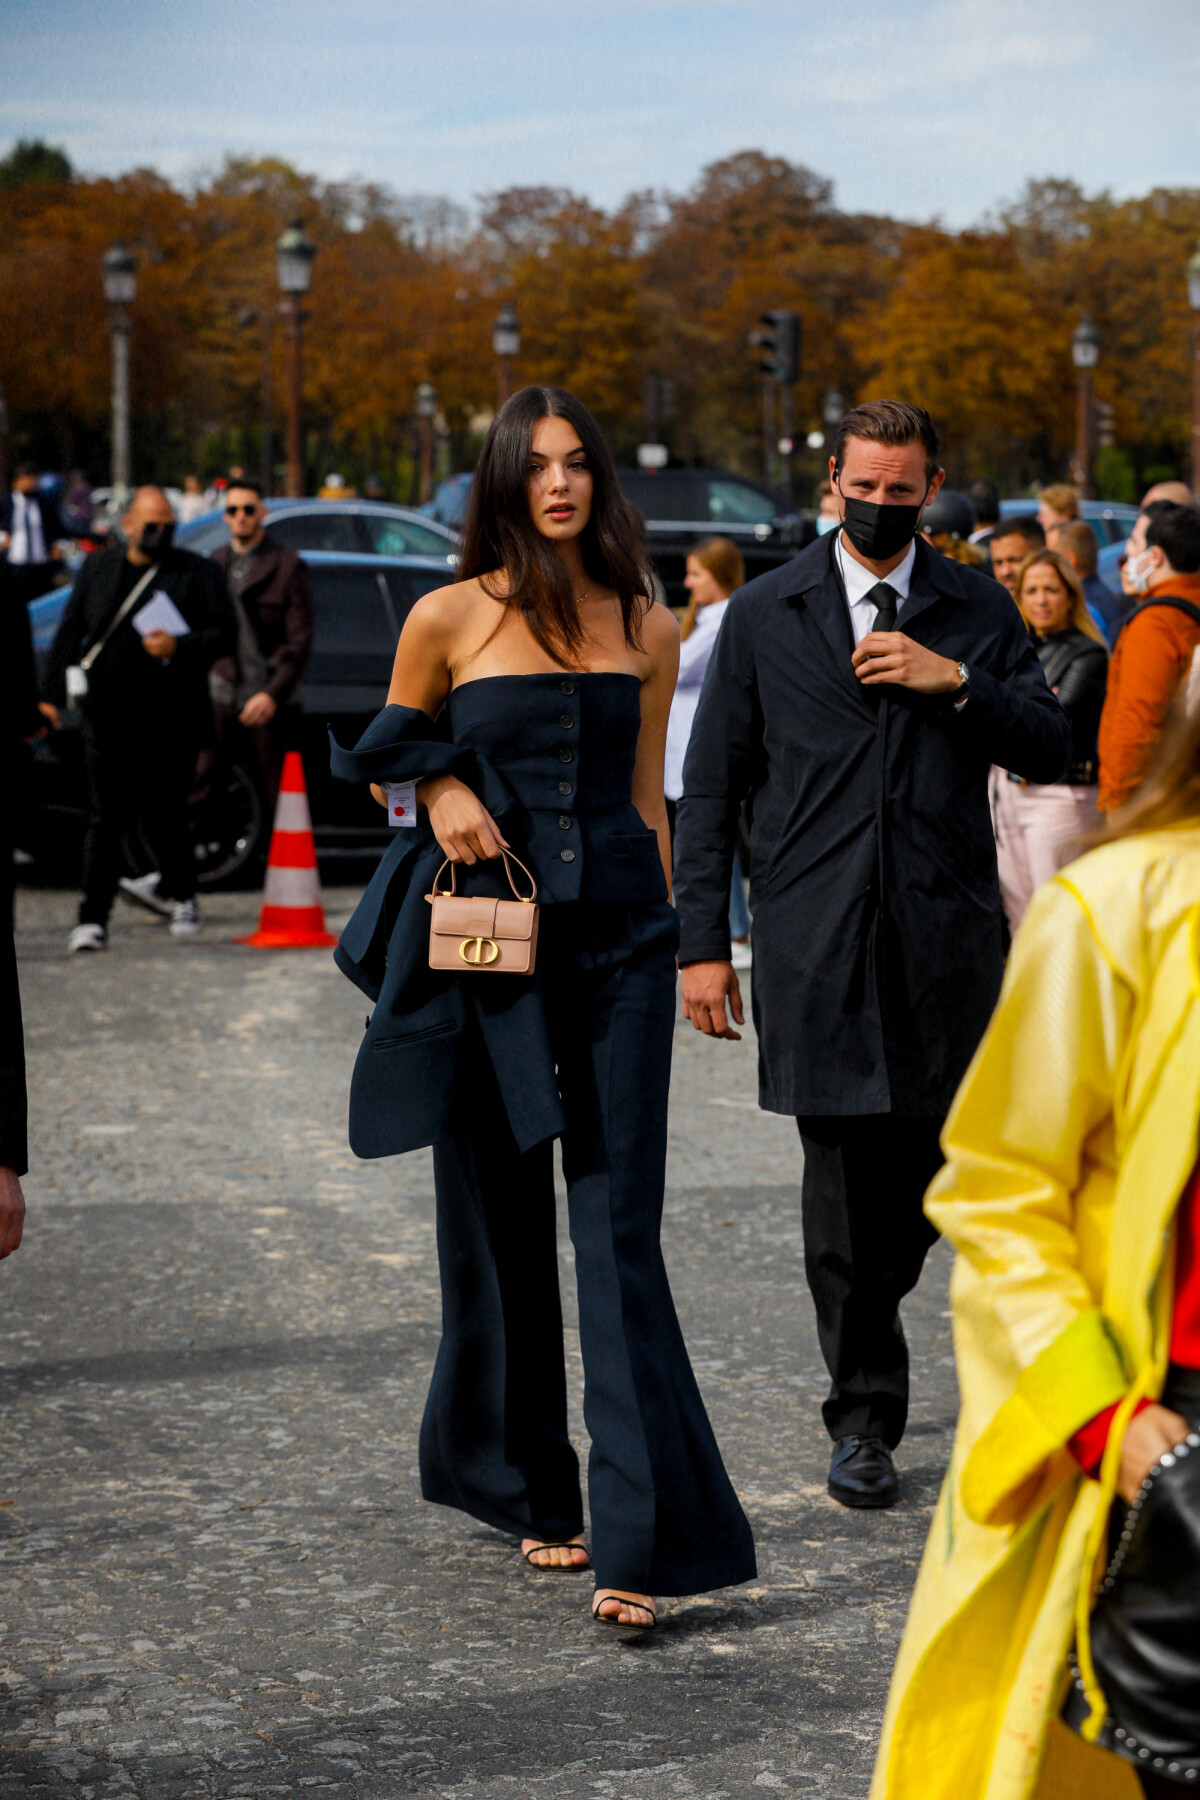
974, 324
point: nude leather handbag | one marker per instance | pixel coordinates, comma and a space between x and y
475, 935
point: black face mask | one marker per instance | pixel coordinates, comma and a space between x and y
877, 531
156, 539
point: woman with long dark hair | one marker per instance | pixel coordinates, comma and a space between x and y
1053, 1645
528, 713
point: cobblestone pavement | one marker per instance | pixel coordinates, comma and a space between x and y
218, 1576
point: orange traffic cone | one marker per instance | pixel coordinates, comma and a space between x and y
292, 917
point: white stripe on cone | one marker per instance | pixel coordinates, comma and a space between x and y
291, 813
291, 887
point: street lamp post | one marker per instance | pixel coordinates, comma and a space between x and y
294, 255
1085, 354
426, 405
120, 289
1193, 285
506, 344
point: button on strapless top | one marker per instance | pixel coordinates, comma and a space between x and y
565, 745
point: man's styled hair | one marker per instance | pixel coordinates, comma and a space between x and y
244, 481
1022, 525
985, 501
1078, 541
1062, 497
1176, 532
891, 422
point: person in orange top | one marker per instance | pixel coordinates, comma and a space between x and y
1153, 654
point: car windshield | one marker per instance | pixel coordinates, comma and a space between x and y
388, 535
665, 497
326, 529
737, 503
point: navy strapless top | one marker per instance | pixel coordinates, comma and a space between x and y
564, 746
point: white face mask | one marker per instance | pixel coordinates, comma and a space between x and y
826, 523
1139, 572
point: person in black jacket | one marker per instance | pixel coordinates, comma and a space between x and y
857, 698
1040, 826
31, 533
19, 722
255, 690
146, 709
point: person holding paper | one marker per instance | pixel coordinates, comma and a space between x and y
144, 625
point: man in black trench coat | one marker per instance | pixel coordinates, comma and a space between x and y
857, 698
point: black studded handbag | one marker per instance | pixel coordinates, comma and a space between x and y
1145, 1626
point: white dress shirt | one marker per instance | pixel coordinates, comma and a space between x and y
694, 653
858, 583
27, 540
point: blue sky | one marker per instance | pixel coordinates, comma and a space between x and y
919, 109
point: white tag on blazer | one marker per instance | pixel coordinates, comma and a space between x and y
402, 804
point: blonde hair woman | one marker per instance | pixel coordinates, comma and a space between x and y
1039, 828
1053, 1644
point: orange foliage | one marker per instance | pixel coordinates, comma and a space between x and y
976, 325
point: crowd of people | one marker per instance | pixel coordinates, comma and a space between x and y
163, 651
905, 737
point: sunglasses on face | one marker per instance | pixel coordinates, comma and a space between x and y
231, 512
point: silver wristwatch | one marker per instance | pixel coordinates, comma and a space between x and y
964, 684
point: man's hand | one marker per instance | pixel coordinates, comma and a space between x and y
50, 713
1149, 1433
259, 709
160, 645
706, 986
12, 1211
889, 656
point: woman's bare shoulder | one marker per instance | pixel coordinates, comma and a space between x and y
661, 621
660, 632
447, 611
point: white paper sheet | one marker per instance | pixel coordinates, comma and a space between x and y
160, 613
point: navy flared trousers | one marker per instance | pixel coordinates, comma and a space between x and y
664, 1516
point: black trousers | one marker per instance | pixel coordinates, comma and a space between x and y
865, 1242
664, 1516
137, 786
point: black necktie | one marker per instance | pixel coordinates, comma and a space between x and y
886, 599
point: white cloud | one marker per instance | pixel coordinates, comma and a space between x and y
943, 106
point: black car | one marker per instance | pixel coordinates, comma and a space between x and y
361, 603
682, 507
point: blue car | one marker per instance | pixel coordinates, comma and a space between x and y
1111, 520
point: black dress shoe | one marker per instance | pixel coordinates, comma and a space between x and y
861, 1472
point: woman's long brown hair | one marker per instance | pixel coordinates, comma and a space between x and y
499, 535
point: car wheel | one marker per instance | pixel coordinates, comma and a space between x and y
228, 830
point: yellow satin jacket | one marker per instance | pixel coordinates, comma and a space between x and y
1068, 1145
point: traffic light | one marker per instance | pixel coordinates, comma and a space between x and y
781, 342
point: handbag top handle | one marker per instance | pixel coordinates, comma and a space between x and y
526, 899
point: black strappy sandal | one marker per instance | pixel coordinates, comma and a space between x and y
624, 1624
571, 1568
